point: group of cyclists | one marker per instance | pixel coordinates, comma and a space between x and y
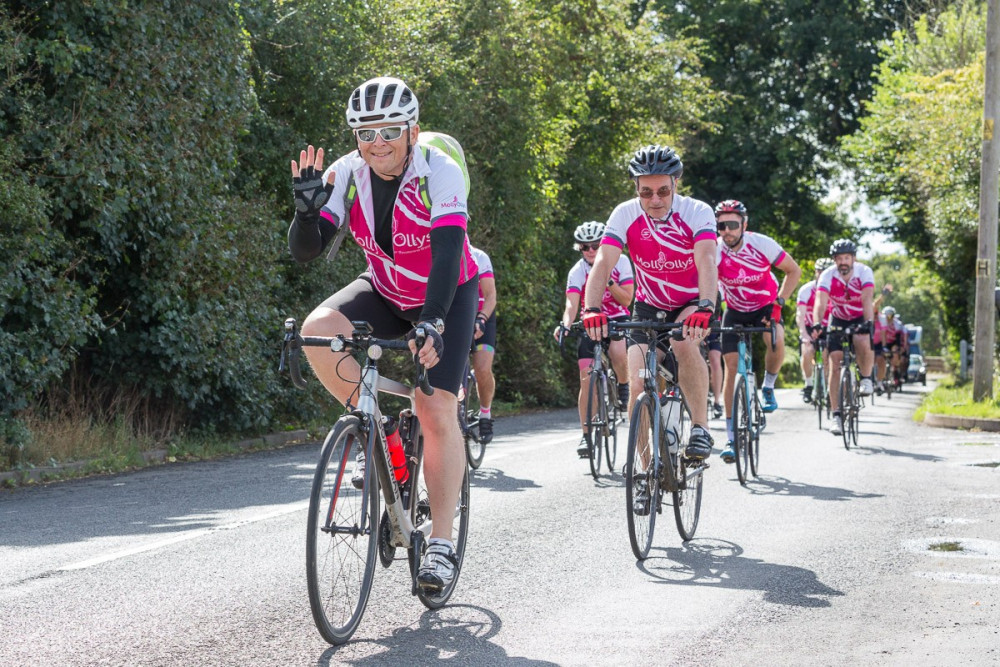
406, 206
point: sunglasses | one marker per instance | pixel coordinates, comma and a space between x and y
662, 193
367, 135
728, 224
589, 246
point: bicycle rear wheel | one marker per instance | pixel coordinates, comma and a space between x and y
855, 415
741, 429
468, 417
756, 426
596, 420
614, 416
819, 394
846, 405
340, 539
687, 489
641, 479
459, 532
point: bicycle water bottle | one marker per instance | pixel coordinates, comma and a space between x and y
670, 414
396, 454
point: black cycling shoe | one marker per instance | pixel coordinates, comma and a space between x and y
716, 411
583, 449
699, 445
807, 394
622, 395
485, 430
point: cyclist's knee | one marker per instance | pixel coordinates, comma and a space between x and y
326, 322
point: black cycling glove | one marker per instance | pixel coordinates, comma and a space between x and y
311, 193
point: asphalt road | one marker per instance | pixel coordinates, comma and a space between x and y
824, 560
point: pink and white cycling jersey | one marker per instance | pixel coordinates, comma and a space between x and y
485, 270
846, 296
402, 278
807, 298
576, 283
745, 275
662, 250
892, 332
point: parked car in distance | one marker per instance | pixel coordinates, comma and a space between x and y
917, 372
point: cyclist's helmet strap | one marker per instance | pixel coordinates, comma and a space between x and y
842, 246
655, 159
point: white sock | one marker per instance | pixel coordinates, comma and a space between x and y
769, 379
484, 413
441, 541
809, 380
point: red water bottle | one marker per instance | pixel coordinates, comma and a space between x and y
396, 454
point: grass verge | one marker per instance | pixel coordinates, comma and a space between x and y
953, 398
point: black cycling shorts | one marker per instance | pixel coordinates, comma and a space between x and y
488, 341
360, 301
755, 318
835, 338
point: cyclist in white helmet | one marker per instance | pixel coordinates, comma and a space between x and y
614, 304
407, 210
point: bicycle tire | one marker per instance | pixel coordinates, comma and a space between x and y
614, 416
468, 415
595, 422
340, 566
855, 416
846, 404
460, 534
641, 440
687, 489
819, 394
741, 429
757, 425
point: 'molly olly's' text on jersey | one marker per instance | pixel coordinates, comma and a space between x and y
745, 274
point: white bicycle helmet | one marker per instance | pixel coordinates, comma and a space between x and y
823, 263
889, 311
381, 100
589, 232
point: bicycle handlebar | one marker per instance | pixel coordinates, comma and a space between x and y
360, 338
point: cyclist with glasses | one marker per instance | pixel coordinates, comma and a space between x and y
406, 207
614, 305
804, 318
849, 286
753, 298
484, 342
671, 239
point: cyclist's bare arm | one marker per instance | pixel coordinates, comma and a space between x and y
867, 303
793, 273
569, 313
604, 264
819, 308
623, 293
708, 270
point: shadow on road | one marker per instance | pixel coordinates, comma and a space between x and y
719, 563
780, 486
496, 480
895, 452
456, 633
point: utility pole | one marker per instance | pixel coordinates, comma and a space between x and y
989, 182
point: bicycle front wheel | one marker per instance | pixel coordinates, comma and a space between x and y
641, 479
846, 405
596, 420
819, 394
855, 414
741, 429
611, 439
340, 535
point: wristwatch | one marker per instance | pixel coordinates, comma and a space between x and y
780, 301
707, 304
437, 323
610, 282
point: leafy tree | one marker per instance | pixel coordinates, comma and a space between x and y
919, 149
915, 295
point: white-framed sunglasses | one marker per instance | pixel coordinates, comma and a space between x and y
366, 135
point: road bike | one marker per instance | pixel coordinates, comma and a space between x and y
655, 464
820, 397
604, 414
851, 400
748, 417
468, 418
344, 532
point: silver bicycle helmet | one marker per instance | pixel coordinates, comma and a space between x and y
589, 232
655, 159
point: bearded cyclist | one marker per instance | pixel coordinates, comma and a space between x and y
614, 304
753, 298
850, 286
420, 275
671, 239
804, 318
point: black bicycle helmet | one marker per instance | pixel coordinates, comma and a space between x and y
655, 159
731, 206
842, 246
